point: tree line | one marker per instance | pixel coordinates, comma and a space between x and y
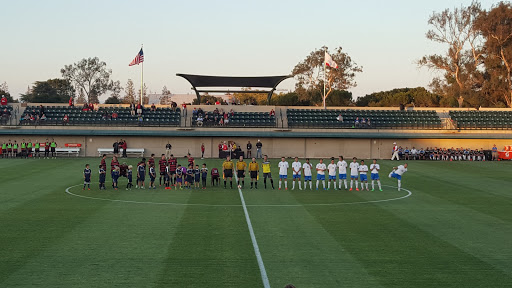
475, 70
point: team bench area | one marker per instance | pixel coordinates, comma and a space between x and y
68, 151
129, 151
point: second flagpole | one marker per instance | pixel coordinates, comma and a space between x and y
142, 79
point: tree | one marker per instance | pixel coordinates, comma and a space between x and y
81, 97
419, 96
309, 73
91, 75
459, 64
251, 98
165, 99
4, 90
496, 28
113, 100
210, 99
129, 96
50, 91
145, 98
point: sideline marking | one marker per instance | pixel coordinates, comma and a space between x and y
409, 193
263, 272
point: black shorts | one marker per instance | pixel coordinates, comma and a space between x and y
190, 179
53, 149
240, 174
228, 173
162, 173
254, 174
267, 175
172, 172
215, 177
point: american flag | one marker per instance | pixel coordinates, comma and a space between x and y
138, 59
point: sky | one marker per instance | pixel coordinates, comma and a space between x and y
229, 38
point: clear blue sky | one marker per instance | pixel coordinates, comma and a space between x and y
217, 38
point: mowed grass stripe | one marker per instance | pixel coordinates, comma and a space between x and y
121, 245
296, 248
398, 253
468, 187
211, 247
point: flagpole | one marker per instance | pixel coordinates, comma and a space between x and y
141, 80
325, 77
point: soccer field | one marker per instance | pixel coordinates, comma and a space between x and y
451, 226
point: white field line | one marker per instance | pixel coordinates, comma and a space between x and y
263, 272
409, 193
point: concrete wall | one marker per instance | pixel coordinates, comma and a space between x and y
364, 148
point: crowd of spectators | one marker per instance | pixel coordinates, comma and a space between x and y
219, 117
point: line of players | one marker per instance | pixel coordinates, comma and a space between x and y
173, 174
13, 149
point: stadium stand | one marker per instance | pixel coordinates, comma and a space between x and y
379, 119
102, 117
239, 119
6, 112
482, 119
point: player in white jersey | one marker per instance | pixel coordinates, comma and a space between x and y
320, 173
374, 169
306, 168
397, 173
354, 173
342, 166
332, 174
283, 173
363, 169
296, 167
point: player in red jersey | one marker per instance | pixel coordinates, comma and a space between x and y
113, 163
162, 163
190, 160
215, 177
103, 163
173, 163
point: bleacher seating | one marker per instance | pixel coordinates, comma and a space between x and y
55, 115
482, 119
240, 119
379, 119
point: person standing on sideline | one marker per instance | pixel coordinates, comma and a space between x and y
168, 147
296, 169
258, 149
124, 146
116, 148
306, 168
397, 173
249, 148
494, 153
254, 169
53, 147
320, 173
354, 173
342, 170
265, 166
363, 169
395, 152
283, 173
374, 169
332, 174
202, 150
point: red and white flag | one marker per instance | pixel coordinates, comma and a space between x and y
138, 59
329, 62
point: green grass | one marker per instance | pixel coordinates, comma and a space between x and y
453, 231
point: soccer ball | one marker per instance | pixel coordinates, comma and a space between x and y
239, 186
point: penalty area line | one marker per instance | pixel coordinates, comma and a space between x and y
263, 272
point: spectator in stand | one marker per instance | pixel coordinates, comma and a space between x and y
407, 152
363, 122
184, 108
199, 121
65, 120
194, 112
91, 107
259, 145
132, 109
174, 105
139, 109
85, 107
71, 102
368, 122
231, 113
114, 115
41, 110
3, 101
272, 113
153, 107
356, 122
43, 118
340, 118
200, 112
217, 102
